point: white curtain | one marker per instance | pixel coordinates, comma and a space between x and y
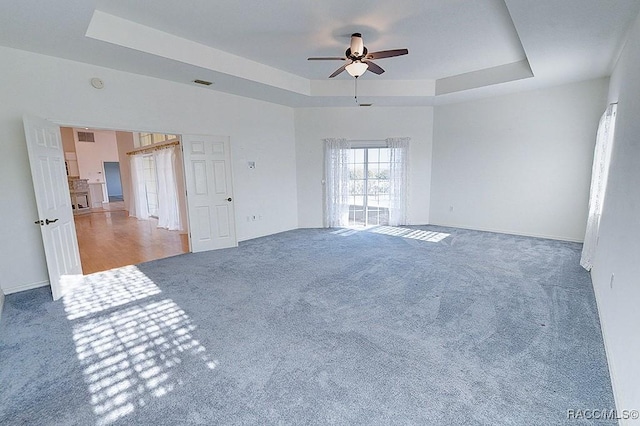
599, 175
336, 169
138, 207
398, 180
168, 207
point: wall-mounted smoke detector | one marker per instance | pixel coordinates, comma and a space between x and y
203, 82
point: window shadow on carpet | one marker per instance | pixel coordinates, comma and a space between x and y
396, 231
129, 340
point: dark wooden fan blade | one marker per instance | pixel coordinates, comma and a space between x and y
374, 68
338, 71
387, 53
327, 59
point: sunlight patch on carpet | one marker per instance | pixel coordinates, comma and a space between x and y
414, 234
395, 231
345, 232
129, 347
105, 290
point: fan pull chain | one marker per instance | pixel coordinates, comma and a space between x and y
356, 91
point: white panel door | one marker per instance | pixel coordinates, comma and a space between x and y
55, 216
207, 163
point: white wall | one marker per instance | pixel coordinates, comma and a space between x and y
259, 131
519, 163
618, 249
372, 123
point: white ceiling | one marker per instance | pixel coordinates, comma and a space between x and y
458, 49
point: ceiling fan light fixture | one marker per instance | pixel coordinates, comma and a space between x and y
356, 69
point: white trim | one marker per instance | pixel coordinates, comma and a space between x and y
607, 351
24, 287
377, 143
501, 231
1, 304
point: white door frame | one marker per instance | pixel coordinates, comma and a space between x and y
112, 127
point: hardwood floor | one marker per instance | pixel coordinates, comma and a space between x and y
108, 238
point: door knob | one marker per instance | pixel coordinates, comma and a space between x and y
47, 221
229, 199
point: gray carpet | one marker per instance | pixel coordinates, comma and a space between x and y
316, 326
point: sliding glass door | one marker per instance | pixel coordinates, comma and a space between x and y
369, 186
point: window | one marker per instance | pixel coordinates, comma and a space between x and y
366, 183
369, 186
144, 139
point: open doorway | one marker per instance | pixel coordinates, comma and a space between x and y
113, 181
206, 172
116, 223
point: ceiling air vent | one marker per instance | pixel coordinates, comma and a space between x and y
203, 82
86, 137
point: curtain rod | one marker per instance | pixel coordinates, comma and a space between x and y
157, 147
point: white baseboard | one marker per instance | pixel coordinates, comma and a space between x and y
502, 231
24, 287
609, 353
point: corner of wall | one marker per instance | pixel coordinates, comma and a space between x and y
1, 304
617, 303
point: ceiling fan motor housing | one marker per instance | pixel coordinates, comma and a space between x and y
357, 46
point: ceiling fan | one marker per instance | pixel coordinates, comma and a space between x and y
359, 58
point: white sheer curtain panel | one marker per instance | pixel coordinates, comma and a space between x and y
599, 175
168, 207
138, 207
336, 170
398, 180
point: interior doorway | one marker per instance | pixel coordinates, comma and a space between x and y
205, 170
113, 180
110, 234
